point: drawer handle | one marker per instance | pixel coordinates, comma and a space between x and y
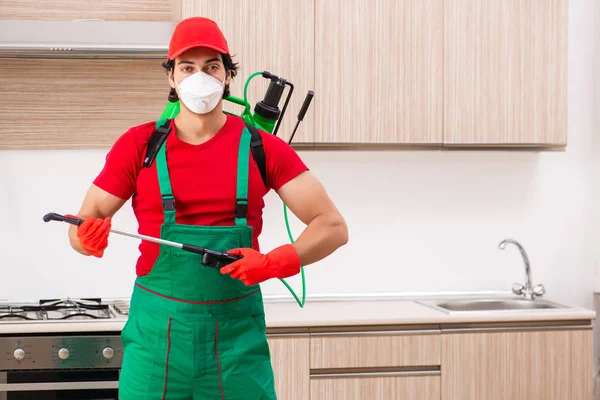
518, 328
379, 333
374, 374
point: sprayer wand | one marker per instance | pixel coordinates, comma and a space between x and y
210, 258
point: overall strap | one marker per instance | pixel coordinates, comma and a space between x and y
241, 206
168, 201
258, 151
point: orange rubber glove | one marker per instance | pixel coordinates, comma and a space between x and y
93, 234
256, 267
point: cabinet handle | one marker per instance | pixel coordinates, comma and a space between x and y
379, 333
518, 328
375, 374
287, 335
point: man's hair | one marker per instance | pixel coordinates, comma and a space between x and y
227, 62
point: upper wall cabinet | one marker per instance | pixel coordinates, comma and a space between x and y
379, 71
505, 72
454, 73
109, 10
273, 36
66, 104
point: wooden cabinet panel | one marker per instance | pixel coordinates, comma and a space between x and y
378, 71
505, 72
375, 350
52, 103
273, 36
289, 356
550, 365
376, 388
109, 10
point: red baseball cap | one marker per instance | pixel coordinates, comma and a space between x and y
196, 32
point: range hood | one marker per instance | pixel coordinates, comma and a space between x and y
84, 39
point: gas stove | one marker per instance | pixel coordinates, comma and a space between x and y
64, 309
60, 347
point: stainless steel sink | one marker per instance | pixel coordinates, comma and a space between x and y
471, 305
528, 300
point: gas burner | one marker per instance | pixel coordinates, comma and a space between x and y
11, 313
77, 314
75, 309
56, 309
90, 304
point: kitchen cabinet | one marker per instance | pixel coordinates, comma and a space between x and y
505, 73
454, 361
68, 104
376, 386
406, 73
273, 36
521, 364
289, 357
109, 10
378, 72
379, 364
372, 349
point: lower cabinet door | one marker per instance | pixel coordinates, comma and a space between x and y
548, 364
375, 386
289, 357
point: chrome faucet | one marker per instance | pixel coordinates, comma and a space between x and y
528, 291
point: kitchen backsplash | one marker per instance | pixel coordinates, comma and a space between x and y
418, 221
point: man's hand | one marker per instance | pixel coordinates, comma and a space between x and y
97, 204
255, 267
93, 234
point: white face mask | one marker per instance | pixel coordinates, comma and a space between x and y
201, 92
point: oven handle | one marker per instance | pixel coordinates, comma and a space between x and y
45, 386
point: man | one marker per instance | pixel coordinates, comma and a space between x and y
196, 332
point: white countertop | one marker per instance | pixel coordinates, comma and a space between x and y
398, 312
335, 312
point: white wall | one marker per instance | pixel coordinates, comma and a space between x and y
442, 213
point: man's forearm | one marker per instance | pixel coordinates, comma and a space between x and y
322, 236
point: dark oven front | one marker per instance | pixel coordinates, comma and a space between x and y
77, 367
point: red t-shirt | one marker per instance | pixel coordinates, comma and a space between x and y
203, 180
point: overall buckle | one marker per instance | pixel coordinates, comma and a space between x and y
168, 204
241, 208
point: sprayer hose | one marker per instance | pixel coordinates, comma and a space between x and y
287, 222
247, 110
287, 225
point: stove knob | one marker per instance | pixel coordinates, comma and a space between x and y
19, 354
63, 354
108, 352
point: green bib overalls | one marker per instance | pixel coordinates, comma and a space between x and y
192, 332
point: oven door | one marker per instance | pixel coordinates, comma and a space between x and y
91, 384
